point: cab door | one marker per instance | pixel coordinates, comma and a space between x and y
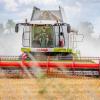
56, 36
26, 36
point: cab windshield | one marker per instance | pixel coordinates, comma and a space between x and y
42, 36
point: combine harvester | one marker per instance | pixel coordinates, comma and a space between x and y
48, 48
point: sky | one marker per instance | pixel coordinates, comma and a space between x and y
76, 11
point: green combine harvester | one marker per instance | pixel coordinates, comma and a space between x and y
48, 47
47, 34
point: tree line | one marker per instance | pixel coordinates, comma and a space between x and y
8, 27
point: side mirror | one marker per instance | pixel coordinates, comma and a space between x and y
61, 33
16, 28
68, 28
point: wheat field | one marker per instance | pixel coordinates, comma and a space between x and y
50, 89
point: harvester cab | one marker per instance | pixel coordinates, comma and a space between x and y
52, 37
46, 33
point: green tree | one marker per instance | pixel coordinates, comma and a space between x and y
86, 28
1, 28
10, 25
